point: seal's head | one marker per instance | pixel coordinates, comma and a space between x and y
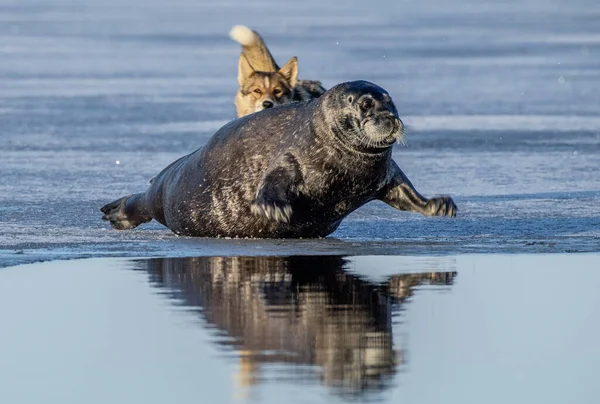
365, 116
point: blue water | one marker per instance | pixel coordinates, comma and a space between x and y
460, 329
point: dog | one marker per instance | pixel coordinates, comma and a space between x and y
263, 84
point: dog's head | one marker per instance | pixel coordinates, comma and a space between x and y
261, 90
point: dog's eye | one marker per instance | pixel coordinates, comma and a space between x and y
277, 91
257, 91
366, 104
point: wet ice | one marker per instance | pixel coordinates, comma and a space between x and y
83, 88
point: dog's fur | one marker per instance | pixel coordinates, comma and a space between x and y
263, 84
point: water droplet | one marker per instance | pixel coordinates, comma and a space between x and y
117, 162
561, 80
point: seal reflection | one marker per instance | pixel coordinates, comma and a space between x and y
295, 311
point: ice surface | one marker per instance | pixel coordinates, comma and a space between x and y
491, 122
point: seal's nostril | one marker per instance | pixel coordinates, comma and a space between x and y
267, 104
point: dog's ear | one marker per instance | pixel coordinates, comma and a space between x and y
290, 71
245, 70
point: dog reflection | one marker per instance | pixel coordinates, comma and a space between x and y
297, 310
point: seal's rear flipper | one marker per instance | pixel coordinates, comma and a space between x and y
126, 212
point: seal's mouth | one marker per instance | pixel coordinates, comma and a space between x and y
382, 131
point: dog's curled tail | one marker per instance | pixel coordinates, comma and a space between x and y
254, 48
243, 35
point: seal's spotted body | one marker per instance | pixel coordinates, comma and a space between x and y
293, 171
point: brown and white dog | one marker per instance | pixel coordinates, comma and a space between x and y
263, 84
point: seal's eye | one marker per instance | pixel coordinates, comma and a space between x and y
277, 91
257, 91
350, 99
366, 104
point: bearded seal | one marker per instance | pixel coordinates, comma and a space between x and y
288, 172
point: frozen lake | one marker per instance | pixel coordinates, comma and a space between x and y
502, 100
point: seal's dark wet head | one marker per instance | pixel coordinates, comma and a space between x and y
368, 118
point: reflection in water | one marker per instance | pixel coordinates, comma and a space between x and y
297, 311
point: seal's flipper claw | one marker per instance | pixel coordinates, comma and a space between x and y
278, 211
277, 190
271, 201
402, 195
441, 206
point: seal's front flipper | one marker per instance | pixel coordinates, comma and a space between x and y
277, 190
126, 212
401, 195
